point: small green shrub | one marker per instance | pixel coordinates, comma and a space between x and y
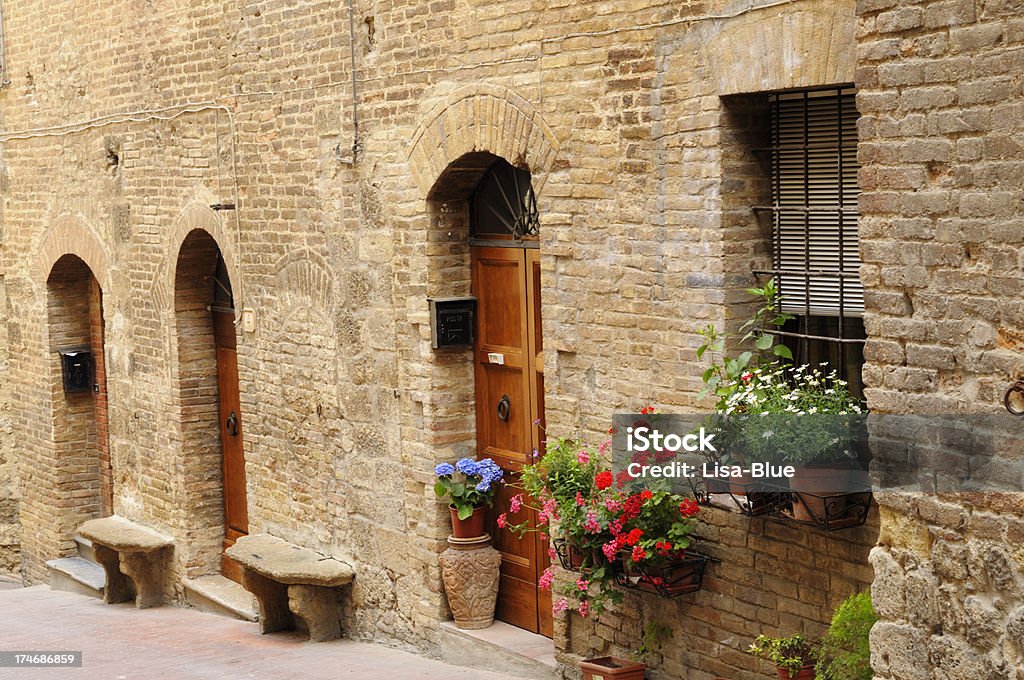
790, 653
844, 653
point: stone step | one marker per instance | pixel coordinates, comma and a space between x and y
219, 595
85, 550
77, 575
514, 650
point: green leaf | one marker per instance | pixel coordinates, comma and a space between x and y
465, 511
743, 360
458, 488
701, 350
782, 351
440, 489
764, 342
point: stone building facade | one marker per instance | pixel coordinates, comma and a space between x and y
348, 147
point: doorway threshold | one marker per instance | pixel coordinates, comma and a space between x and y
501, 647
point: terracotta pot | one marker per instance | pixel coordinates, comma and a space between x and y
803, 673
472, 526
471, 569
819, 493
612, 667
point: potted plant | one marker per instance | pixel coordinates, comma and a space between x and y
844, 653
793, 656
612, 667
469, 486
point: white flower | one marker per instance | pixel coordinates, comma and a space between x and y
767, 434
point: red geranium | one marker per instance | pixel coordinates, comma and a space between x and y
688, 508
638, 553
603, 480
646, 495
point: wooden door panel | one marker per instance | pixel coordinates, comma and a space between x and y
506, 284
229, 410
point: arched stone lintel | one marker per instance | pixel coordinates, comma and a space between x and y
481, 118
71, 235
192, 217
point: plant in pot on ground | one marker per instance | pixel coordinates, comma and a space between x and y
470, 486
844, 653
793, 656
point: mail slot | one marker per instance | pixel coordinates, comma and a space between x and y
77, 369
452, 321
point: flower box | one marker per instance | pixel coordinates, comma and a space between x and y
671, 579
612, 667
569, 556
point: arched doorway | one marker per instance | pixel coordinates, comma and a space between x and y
508, 362
209, 395
78, 395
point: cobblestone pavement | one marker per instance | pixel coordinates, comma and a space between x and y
120, 642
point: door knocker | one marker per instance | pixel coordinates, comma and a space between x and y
504, 406
1013, 400
231, 424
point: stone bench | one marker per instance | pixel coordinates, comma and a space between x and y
133, 558
290, 581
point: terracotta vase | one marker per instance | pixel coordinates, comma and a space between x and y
612, 667
819, 493
470, 569
803, 673
472, 526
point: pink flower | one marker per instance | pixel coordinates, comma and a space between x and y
546, 579
552, 553
609, 549
583, 584
560, 606
584, 608
612, 505
550, 507
502, 520
591, 524
583, 457
542, 517
516, 504
580, 500
604, 446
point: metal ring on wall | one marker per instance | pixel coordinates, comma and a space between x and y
1008, 399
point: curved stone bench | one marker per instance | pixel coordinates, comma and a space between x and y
291, 581
133, 558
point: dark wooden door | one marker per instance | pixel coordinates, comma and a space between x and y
509, 368
236, 514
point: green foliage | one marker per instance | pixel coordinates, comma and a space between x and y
844, 653
655, 634
560, 474
723, 376
790, 653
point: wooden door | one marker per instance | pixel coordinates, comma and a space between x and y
509, 400
236, 514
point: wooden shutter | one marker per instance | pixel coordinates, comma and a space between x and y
814, 202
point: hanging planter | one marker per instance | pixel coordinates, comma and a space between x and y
612, 667
671, 579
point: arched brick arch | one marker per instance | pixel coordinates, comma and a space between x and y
193, 216
71, 235
481, 118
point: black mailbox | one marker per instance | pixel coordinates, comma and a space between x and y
452, 322
77, 367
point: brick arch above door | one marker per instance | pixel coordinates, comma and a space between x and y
71, 235
481, 118
192, 217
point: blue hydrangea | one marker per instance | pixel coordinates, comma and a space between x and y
444, 469
468, 467
484, 486
489, 471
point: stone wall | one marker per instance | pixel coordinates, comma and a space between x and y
10, 527
127, 122
943, 250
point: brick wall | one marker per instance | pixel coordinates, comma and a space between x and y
10, 529
643, 175
943, 250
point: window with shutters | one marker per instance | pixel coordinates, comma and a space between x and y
812, 161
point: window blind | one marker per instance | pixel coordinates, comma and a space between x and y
814, 202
